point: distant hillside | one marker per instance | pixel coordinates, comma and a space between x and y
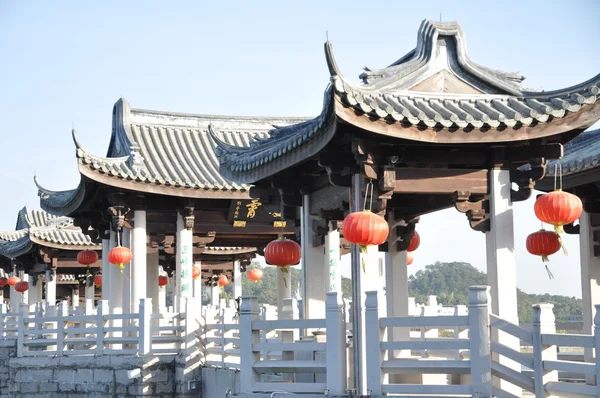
450, 283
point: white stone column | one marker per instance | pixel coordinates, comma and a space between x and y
126, 278
501, 267
197, 283
50, 288
75, 296
214, 296
152, 280
314, 271
90, 290
106, 271
184, 259
396, 292
25, 295
237, 279
284, 288
138, 262
590, 278
333, 263
116, 293
35, 292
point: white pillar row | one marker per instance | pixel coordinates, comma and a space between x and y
152, 279
126, 279
284, 288
197, 283
50, 288
237, 279
214, 296
90, 292
35, 291
106, 271
138, 262
590, 278
314, 272
184, 259
396, 292
15, 297
25, 295
75, 296
501, 267
333, 263
115, 303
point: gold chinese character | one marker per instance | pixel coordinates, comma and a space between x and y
279, 224
275, 214
239, 224
252, 206
239, 203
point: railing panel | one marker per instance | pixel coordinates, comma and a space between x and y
510, 328
568, 340
288, 324
568, 366
522, 359
448, 321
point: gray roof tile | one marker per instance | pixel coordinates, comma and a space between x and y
580, 154
39, 227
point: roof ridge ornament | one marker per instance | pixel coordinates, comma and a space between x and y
441, 46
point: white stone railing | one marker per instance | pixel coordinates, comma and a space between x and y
102, 332
253, 365
8, 323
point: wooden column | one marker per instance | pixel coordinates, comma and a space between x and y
396, 292
138, 263
501, 267
106, 270
237, 280
590, 277
184, 258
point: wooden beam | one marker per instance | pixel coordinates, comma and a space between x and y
440, 181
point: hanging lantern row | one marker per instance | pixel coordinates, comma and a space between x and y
557, 208
255, 274
21, 286
223, 281
195, 272
409, 258
163, 281
98, 280
3, 281
119, 256
87, 257
282, 253
13, 280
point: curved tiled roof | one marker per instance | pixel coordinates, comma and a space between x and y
434, 94
160, 151
39, 227
580, 154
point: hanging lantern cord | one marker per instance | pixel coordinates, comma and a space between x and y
558, 176
550, 275
368, 190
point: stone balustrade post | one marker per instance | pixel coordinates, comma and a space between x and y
144, 325
248, 337
373, 336
335, 344
543, 322
479, 341
101, 310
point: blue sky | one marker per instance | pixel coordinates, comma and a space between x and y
66, 63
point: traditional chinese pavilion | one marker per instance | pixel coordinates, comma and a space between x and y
160, 181
432, 130
45, 247
578, 172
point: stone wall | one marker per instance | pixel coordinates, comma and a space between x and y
87, 376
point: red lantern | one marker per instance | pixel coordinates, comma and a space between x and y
255, 274
414, 242
87, 257
3, 282
223, 281
119, 255
543, 243
162, 280
195, 272
98, 280
558, 208
409, 258
13, 280
21, 286
283, 253
365, 228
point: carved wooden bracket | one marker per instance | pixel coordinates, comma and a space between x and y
188, 217
404, 234
526, 179
117, 214
475, 211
